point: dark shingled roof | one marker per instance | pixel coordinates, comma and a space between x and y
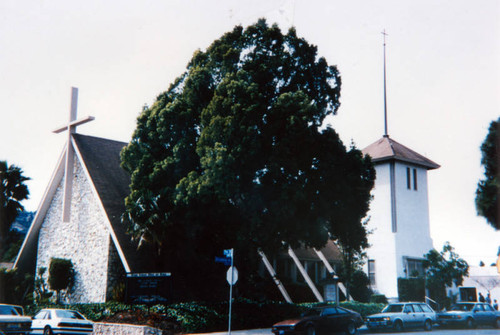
102, 160
330, 250
386, 149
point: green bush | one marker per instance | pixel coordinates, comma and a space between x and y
379, 299
411, 289
15, 287
61, 275
364, 309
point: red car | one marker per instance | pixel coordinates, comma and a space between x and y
321, 320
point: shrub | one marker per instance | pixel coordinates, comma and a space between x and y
379, 299
60, 275
411, 289
359, 287
364, 309
15, 287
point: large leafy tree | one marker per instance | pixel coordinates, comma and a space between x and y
488, 189
13, 190
234, 154
444, 268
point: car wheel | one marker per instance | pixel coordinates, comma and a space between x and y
428, 325
311, 330
48, 331
470, 323
351, 329
398, 326
497, 323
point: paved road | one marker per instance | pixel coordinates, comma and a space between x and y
364, 331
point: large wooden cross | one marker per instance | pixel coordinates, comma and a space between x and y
70, 152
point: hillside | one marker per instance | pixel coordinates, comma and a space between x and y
16, 235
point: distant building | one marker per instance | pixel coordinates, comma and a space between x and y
481, 279
399, 215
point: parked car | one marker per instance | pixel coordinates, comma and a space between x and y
61, 321
12, 322
321, 320
470, 315
403, 315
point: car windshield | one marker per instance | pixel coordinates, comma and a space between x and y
68, 314
311, 312
462, 307
393, 309
8, 310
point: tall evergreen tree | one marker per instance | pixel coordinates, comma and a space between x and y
488, 189
235, 154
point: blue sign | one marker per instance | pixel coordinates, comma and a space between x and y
228, 253
223, 260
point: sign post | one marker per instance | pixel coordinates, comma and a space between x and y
232, 277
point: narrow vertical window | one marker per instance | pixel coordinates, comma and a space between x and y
408, 178
415, 179
371, 271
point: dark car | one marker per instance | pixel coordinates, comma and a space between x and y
12, 322
470, 315
321, 320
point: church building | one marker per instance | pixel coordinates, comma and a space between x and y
79, 218
399, 215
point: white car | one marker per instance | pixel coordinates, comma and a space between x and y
403, 315
60, 321
12, 322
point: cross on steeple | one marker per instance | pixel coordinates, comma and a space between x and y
386, 134
70, 152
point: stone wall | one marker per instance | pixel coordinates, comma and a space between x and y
123, 329
85, 240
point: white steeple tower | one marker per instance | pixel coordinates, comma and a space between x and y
399, 211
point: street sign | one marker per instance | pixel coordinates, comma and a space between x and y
228, 253
232, 275
223, 260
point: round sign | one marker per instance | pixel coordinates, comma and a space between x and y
232, 275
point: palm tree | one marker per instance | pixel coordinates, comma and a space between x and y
12, 192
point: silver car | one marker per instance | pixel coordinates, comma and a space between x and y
60, 321
400, 316
470, 315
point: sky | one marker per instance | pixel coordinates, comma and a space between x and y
443, 80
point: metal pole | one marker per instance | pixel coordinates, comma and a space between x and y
231, 292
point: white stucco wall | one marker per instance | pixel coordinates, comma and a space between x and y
382, 241
412, 238
85, 240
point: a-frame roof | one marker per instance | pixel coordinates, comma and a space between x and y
386, 149
100, 159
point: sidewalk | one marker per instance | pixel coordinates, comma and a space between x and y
264, 331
